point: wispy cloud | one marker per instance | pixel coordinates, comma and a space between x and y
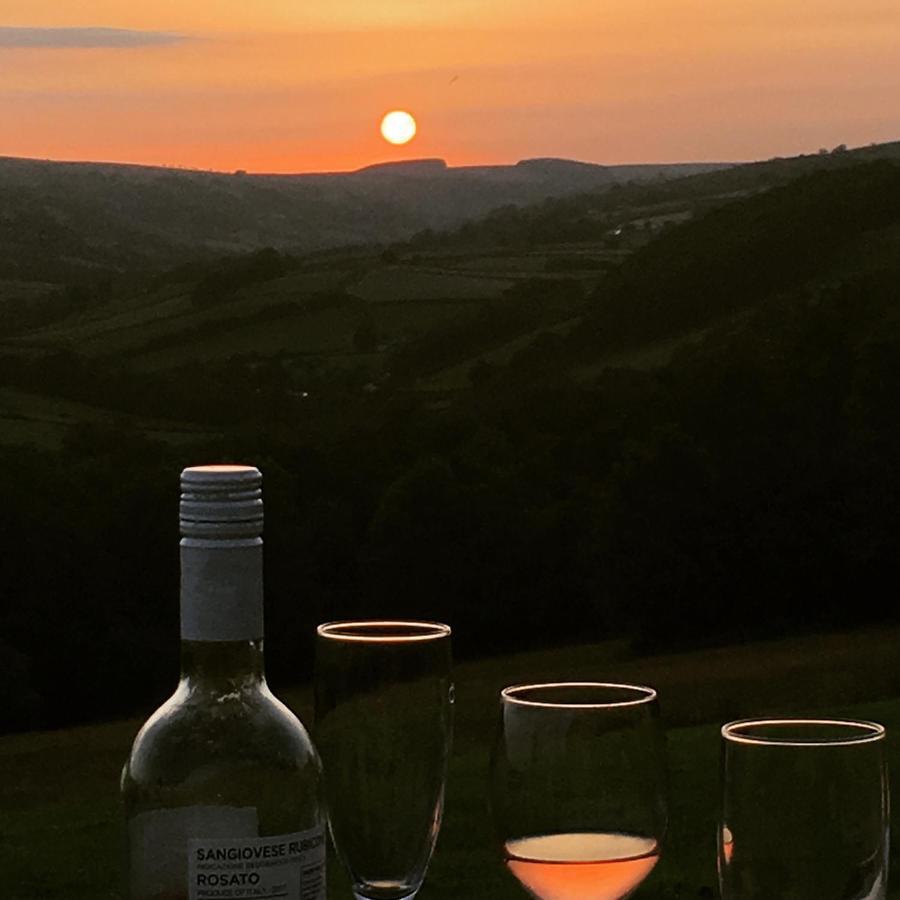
66, 38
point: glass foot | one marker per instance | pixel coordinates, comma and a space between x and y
381, 894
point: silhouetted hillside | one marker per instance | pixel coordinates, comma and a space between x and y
682, 431
743, 252
61, 220
644, 198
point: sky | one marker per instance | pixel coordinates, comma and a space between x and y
300, 86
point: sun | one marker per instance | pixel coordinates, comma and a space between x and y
398, 127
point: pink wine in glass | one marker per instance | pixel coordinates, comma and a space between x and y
582, 865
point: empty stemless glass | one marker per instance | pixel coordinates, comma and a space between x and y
578, 788
804, 810
384, 702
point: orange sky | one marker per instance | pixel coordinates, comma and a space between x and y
282, 85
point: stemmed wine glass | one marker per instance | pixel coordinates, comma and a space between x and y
578, 788
384, 702
804, 810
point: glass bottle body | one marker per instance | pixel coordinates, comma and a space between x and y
226, 763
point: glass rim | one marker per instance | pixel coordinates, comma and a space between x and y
644, 695
383, 631
856, 731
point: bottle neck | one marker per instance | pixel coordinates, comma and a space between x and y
221, 578
228, 665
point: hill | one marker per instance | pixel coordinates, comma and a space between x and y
817, 228
642, 202
682, 430
61, 220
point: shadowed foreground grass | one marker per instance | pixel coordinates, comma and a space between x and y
60, 833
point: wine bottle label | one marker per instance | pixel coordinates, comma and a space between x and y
221, 590
287, 867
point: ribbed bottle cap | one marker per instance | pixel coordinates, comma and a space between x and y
221, 502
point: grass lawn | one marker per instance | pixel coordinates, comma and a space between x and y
60, 835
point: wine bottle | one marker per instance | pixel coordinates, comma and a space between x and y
222, 789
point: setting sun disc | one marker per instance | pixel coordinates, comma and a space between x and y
398, 127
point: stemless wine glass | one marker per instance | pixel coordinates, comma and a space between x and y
384, 703
578, 788
804, 810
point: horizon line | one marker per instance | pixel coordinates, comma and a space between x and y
386, 164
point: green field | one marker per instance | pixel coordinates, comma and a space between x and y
163, 328
60, 834
308, 322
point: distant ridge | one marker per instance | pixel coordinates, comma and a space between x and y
536, 167
96, 218
548, 165
555, 162
406, 167
106, 217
